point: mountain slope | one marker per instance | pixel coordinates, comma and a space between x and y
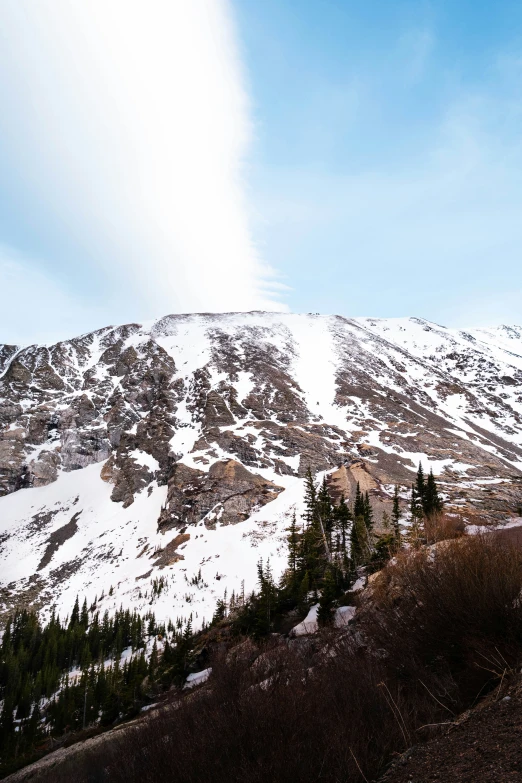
175, 450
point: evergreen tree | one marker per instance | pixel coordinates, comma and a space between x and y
294, 552
75, 615
367, 512
343, 519
220, 611
358, 542
326, 610
153, 663
310, 499
325, 511
266, 599
84, 617
384, 549
6, 724
358, 506
33, 727
432, 504
304, 589
415, 504
314, 549
420, 484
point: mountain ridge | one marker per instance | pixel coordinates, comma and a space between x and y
203, 425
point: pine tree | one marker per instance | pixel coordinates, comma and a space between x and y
310, 499
6, 723
75, 615
415, 504
358, 506
358, 543
432, 504
420, 484
325, 511
314, 549
384, 549
266, 599
153, 663
418, 491
326, 610
33, 727
343, 518
304, 589
293, 551
84, 617
367, 512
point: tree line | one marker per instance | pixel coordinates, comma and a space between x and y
59, 676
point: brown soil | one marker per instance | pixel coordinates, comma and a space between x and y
484, 746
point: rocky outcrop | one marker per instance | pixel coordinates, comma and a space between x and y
228, 494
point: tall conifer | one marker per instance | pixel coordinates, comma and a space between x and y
420, 484
326, 610
367, 512
432, 503
358, 506
310, 498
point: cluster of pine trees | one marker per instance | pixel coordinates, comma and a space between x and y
324, 553
425, 503
40, 696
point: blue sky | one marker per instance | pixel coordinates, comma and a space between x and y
387, 164
314, 155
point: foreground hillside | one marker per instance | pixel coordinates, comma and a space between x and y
176, 450
437, 629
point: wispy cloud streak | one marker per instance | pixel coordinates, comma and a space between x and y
131, 126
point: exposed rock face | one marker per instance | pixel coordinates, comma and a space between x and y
228, 493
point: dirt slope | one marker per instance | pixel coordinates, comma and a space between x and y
483, 746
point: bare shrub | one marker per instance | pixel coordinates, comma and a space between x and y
324, 723
451, 608
443, 527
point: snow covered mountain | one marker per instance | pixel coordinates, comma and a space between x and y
162, 460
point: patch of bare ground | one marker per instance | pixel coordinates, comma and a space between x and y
484, 745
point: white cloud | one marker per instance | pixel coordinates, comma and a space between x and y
131, 122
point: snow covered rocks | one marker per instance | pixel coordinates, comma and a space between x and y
205, 425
